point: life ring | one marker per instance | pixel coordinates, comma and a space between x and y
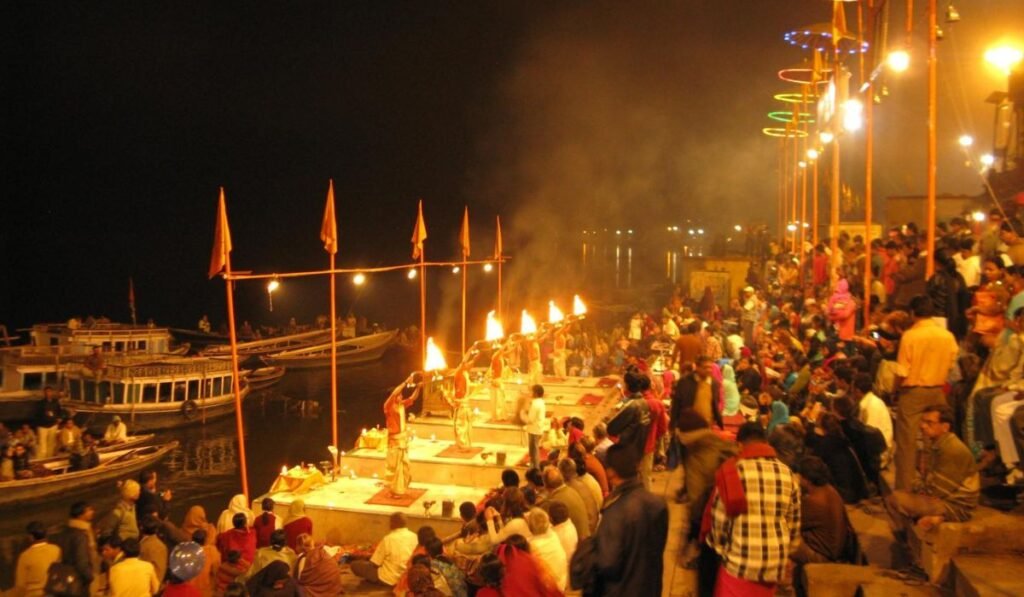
189, 409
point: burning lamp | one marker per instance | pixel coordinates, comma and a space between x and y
527, 325
495, 331
555, 314
435, 360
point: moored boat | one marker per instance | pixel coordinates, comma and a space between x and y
262, 378
132, 442
55, 349
350, 351
113, 465
153, 395
267, 346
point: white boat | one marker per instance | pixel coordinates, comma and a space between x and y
154, 394
262, 378
132, 441
351, 351
269, 345
54, 349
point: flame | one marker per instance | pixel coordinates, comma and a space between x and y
435, 358
578, 308
494, 329
529, 326
554, 313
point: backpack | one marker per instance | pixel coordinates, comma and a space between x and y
62, 580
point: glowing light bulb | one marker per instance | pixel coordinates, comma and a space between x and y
898, 61
359, 279
826, 137
965, 141
412, 273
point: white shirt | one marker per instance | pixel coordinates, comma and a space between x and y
393, 553
547, 548
969, 268
873, 412
116, 432
536, 417
568, 537
132, 577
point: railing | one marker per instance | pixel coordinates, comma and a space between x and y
118, 370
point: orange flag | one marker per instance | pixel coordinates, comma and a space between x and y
464, 234
419, 234
497, 240
838, 22
329, 228
221, 239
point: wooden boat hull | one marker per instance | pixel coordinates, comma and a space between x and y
95, 418
264, 377
350, 352
30, 490
133, 441
270, 345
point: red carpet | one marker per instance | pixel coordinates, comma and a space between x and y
384, 497
453, 451
590, 400
608, 382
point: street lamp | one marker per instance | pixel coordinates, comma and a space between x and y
812, 154
271, 287
1005, 58
966, 141
359, 279
898, 61
987, 160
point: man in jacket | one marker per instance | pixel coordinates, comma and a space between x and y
633, 421
78, 544
34, 563
628, 550
698, 391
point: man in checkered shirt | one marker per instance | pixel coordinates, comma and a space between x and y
754, 545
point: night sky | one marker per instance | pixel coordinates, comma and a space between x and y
124, 118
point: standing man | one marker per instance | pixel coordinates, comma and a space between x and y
77, 545
698, 391
33, 564
633, 422
398, 440
629, 546
947, 486
754, 517
462, 416
497, 373
534, 419
558, 352
748, 319
927, 351
535, 367
47, 423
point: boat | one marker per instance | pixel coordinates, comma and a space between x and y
262, 378
56, 348
113, 465
132, 442
152, 395
350, 351
268, 346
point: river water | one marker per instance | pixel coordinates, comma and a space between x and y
204, 469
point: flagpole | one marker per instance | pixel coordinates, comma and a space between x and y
224, 237
497, 256
869, 145
329, 234
423, 308
464, 241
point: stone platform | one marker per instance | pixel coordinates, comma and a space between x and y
428, 467
341, 515
442, 429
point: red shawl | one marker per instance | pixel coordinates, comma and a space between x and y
729, 486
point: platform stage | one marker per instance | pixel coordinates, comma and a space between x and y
339, 510
341, 515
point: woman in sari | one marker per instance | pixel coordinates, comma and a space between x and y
238, 505
297, 523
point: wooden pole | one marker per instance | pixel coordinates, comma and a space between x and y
334, 359
834, 204
463, 303
932, 121
814, 203
869, 148
423, 307
235, 377
796, 176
